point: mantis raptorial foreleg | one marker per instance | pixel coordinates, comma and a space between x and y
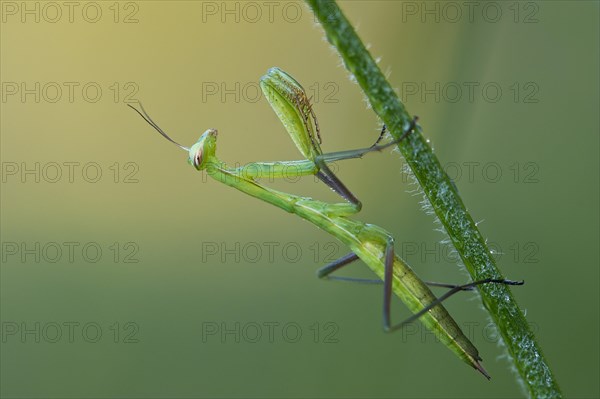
329, 178
318, 167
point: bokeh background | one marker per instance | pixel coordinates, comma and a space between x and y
126, 273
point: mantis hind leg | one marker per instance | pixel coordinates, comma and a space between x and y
388, 285
325, 272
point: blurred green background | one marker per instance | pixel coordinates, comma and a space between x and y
126, 273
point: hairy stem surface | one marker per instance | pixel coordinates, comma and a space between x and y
445, 201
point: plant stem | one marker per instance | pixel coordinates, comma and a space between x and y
445, 201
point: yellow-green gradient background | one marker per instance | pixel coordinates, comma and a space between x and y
541, 212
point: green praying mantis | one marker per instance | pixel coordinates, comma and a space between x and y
369, 243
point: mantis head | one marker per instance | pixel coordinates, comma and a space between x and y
203, 151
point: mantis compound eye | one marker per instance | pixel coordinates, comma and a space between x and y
198, 158
203, 150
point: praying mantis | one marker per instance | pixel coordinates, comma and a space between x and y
369, 243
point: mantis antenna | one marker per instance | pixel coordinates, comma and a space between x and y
149, 120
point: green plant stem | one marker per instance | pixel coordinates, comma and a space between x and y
445, 201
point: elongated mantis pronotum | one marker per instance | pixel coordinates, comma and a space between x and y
370, 243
